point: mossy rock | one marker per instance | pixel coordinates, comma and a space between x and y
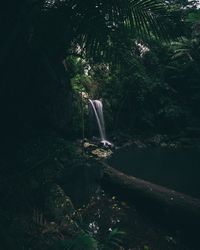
101, 153
90, 146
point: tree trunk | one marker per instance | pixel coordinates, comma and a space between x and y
173, 208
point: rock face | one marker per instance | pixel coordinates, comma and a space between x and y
57, 203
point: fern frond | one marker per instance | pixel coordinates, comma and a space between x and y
114, 240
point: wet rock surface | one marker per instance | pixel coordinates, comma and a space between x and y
97, 149
101, 153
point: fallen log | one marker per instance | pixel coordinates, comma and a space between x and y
168, 206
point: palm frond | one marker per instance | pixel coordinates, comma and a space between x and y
185, 48
93, 24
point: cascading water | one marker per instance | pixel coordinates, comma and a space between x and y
97, 107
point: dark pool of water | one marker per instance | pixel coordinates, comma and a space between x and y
175, 169
103, 212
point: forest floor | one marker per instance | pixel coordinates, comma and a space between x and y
37, 213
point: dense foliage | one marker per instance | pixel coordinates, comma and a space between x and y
154, 86
141, 58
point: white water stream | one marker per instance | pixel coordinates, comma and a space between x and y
97, 107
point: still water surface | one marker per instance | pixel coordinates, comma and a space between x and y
175, 169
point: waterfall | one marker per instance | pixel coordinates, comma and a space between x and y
97, 107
